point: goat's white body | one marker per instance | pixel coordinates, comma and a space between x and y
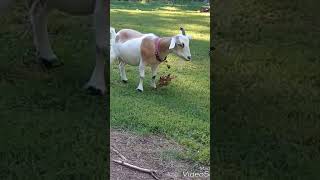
129, 52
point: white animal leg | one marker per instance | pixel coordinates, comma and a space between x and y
141, 72
113, 55
123, 74
97, 80
154, 70
39, 13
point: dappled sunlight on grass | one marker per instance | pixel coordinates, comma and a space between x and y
167, 8
197, 29
190, 6
163, 11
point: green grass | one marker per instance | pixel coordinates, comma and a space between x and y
181, 110
266, 90
49, 127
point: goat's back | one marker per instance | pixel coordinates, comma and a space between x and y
127, 34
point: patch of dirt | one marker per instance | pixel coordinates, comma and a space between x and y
154, 153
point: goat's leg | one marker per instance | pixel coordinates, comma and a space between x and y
141, 72
113, 55
97, 80
39, 13
123, 74
154, 70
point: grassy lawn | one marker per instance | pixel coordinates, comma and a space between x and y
266, 90
181, 110
49, 127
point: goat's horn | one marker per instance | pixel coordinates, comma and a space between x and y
182, 31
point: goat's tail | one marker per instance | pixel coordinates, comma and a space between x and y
112, 34
112, 43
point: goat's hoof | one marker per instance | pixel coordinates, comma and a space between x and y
139, 90
125, 81
94, 91
50, 64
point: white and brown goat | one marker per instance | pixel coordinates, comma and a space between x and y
138, 49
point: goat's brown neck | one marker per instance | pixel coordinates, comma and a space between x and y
164, 44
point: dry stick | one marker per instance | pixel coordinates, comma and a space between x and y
119, 154
151, 172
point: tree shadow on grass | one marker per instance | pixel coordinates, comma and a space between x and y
265, 106
259, 101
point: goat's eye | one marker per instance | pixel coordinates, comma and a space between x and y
182, 45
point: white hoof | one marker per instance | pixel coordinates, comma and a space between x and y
154, 86
140, 89
96, 90
125, 80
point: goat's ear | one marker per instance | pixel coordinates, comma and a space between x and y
190, 37
173, 43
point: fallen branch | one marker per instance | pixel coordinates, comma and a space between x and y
119, 154
153, 173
